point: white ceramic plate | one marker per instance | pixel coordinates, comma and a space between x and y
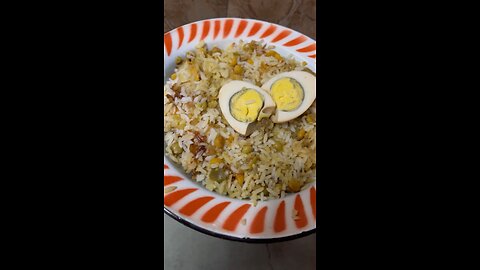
209, 212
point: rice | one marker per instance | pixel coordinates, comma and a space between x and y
169, 189
199, 139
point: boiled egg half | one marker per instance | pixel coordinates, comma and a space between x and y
292, 92
244, 104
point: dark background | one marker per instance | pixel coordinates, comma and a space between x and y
86, 137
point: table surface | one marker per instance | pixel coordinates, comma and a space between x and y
299, 15
186, 248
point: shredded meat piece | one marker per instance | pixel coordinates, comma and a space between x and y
199, 138
197, 149
176, 89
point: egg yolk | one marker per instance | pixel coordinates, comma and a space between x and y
287, 93
246, 105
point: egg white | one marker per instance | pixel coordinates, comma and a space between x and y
230, 89
309, 85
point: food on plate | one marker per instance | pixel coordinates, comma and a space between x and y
210, 87
293, 93
243, 104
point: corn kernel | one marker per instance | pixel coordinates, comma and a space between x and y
294, 185
274, 54
301, 134
238, 70
233, 61
310, 119
219, 141
215, 161
240, 178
